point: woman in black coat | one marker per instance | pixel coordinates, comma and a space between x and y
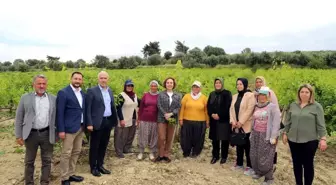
218, 106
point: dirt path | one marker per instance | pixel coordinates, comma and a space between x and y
180, 171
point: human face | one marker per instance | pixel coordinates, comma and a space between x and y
218, 85
195, 89
262, 98
240, 85
77, 80
153, 88
305, 95
129, 88
169, 84
40, 86
259, 83
103, 79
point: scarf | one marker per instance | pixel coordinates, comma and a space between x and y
262, 79
157, 84
262, 105
195, 97
131, 94
245, 83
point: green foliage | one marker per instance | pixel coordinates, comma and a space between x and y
154, 60
127, 63
101, 61
69, 64
210, 50
151, 49
181, 47
168, 55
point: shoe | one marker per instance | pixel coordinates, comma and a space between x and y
249, 171
158, 159
75, 178
140, 156
67, 182
151, 156
274, 169
267, 182
166, 159
194, 156
256, 176
236, 167
213, 160
103, 170
223, 161
120, 156
95, 172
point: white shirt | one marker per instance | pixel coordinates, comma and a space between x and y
42, 111
79, 98
170, 94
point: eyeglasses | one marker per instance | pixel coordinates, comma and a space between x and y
129, 85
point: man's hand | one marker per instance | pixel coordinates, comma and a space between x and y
90, 128
19, 141
122, 123
61, 135
284, 139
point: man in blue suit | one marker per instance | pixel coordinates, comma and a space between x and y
101, 118
70, 125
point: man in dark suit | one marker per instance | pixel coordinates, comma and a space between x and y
70, 120
101, 118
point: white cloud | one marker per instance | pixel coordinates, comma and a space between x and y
81, 29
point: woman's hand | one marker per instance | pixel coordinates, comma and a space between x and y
168, 115
181, 122
284, 138
323, 145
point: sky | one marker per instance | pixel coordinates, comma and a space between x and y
82, 29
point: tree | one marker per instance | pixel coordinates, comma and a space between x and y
196, 54
180, 47
212, 60
151, 49
51, 58
154, 60
168, 55
246, 51
101, 61
210, 50
17, 62
22, 67
127, 63
69, 64
7, 63
32, 62
80, 63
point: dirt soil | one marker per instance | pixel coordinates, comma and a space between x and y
181, 171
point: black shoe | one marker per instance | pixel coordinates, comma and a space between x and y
95, 172
166, 159
222, 161
66, 182
214, 160
103, 170
158, 159
75, 178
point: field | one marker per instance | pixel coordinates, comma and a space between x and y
182, 171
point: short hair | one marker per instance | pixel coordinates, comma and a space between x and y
311, 90
103, 72
78, 73
169, 78
39, 76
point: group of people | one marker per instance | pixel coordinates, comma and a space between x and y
254, 116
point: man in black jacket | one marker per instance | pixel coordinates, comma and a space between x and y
101, 118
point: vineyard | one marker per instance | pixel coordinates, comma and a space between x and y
284, 82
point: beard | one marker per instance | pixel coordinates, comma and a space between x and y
76, 85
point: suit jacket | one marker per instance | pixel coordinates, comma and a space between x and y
95, 108
245, 110
25, 116
69, 112
164, 107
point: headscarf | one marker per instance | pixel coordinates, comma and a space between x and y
245, 83
218, 91
157, 84
263, 81
197, 96
131, 94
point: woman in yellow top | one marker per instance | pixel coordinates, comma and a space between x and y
194, 120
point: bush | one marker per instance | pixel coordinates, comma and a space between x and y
127, 63
212, 61
191, 63
22, 67
168, 55
154, 60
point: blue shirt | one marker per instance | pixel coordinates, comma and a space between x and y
107, 101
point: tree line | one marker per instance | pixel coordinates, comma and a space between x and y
209, 56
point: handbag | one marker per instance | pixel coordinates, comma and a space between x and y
238, 137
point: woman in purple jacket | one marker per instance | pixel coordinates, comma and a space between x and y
147, 122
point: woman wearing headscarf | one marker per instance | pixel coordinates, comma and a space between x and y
147, 121
127, 103
219, 113
264, 134
241, 112
194, 120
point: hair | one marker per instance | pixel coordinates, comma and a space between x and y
102, 72
78, 73
39, 76
169, 78
311, 90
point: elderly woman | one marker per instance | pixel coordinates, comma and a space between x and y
147, 121
264, 134
219, 113
193, 120
127, 103
241, 112
304, 131
169, 104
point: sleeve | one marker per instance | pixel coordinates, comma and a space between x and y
141, 106
160, 106
60, 109
206, 110
178, 106
183, 102
288, 120
19, 118
275, 114
251, 102
208, 106
274, 99
321, 128
226, 105
88, 106
232, 112
120, 103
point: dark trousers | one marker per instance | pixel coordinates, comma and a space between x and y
123, 139
220, 145
192, 137
99, 141
303, 159
38, 139
241, 149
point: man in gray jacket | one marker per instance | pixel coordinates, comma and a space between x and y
35, 127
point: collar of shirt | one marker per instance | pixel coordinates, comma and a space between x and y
101, 88
44, 94
74, 89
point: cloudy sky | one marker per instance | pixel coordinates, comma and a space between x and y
81, 29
